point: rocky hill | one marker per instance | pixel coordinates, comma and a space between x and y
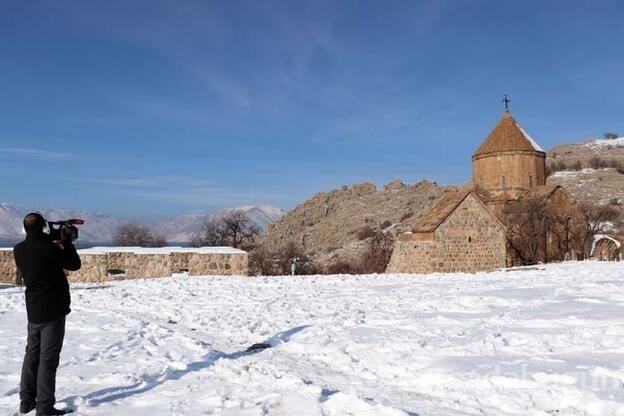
335, 224
601, 186
593, 171
610, 151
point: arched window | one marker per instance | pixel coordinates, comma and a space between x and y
481, 182
503, 182
530, 180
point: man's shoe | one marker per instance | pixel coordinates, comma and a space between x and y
26, 407
54, 412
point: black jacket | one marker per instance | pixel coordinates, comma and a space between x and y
41, 262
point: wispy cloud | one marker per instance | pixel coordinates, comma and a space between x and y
209, 197
33, 153
167, 182
200, 193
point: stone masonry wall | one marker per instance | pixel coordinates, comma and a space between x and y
218, 264
94, 269
140, 266
8, 271
469, 240
106, 264
116, 260
180, 262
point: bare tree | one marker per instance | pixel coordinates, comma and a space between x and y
567, 232
597, 218
158, 240
234, 230
527, 225
537, 231
135, 234
240, 231
283, 258
212, 234
261, 262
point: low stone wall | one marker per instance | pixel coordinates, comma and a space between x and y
116, 260
94, 269
102, 264
8, 271
143, 265
180, 261
219, 264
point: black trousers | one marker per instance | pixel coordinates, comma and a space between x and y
43, 350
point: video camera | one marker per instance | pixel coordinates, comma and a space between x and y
58, 229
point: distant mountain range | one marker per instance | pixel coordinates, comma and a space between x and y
101, 227
182, 227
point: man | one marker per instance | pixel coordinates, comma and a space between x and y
40, 262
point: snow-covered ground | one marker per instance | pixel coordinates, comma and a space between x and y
546, 340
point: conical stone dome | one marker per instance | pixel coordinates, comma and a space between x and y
508, 161
507, 136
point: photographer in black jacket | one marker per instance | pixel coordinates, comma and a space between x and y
41, 262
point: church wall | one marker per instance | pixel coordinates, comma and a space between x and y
469, 240
515, 166
411, 256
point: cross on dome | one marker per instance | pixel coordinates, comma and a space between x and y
506, 101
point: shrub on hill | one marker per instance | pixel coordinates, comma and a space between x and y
406, 216
263, 262
341, 267
598, 163
374, 260
365, 232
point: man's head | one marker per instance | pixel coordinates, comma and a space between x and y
34, 223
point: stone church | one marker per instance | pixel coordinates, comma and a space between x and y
507, 216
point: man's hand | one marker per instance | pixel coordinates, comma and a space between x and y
67, 234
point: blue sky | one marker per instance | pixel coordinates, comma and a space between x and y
155, 108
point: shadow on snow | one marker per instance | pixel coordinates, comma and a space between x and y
111, 394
